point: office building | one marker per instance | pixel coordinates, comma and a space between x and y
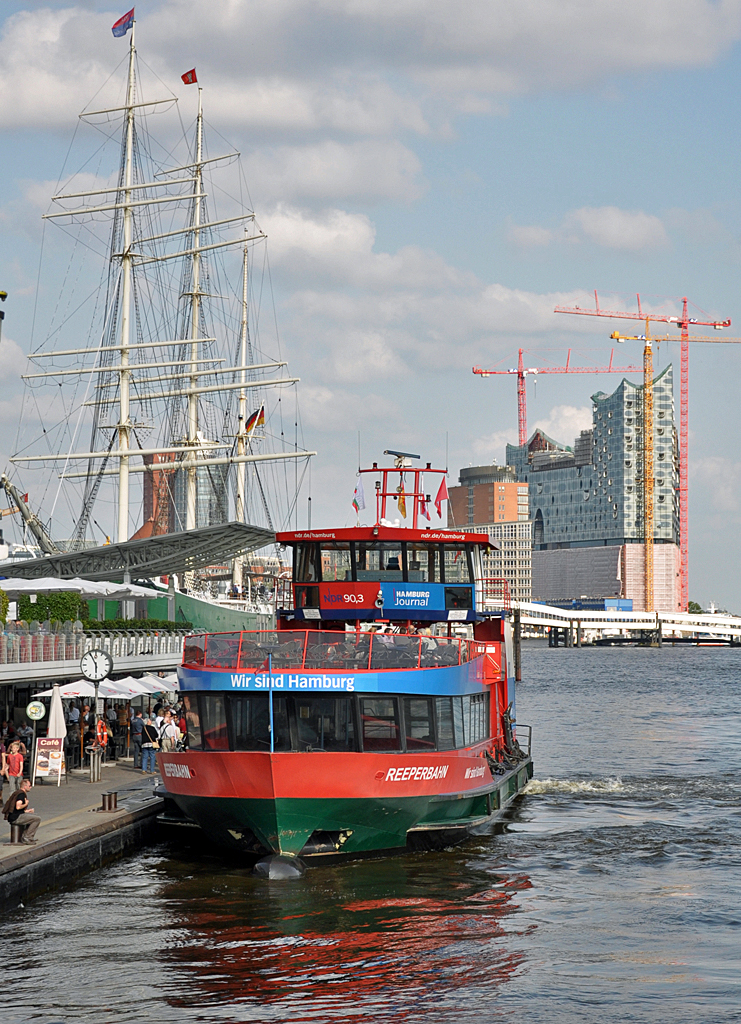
491, 500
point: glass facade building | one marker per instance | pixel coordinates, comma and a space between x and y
592, 495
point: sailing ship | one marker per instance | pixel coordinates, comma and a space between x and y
175, 384
325, 736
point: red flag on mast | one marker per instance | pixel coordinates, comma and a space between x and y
189, 78
442, 495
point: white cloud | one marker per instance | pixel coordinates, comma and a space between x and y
613, 228
491, 447
606, 226
564, 423
304, 64
369, 170
529, 237
720, 481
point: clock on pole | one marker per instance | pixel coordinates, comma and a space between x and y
96, 664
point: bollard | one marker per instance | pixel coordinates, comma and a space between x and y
95, 757
16, 834
110, 802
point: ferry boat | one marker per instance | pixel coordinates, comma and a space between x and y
365, 721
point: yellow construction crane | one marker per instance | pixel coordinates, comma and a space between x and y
648, 459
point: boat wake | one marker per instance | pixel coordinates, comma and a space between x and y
538, 786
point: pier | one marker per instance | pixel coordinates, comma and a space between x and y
76, 835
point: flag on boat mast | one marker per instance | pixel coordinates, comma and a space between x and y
122, 26
442, 495
401, 501
424, 508
358, 500
257, 419
189, 78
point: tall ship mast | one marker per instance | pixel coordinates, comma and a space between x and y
177, 395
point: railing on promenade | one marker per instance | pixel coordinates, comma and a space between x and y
310, 650
26, 648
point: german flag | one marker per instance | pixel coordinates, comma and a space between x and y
257, 419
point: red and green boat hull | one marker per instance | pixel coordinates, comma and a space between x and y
319, 803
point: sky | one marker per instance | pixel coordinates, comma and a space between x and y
433, 178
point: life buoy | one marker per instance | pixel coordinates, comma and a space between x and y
102, 733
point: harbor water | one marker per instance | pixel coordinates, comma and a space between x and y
611, 894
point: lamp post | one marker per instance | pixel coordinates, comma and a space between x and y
3, 297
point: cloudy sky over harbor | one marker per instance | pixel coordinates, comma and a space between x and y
434, 178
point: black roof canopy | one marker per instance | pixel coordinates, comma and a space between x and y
150, 556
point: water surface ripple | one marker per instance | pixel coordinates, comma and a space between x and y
611, 895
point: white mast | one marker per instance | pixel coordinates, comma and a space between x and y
192, 471
242, 419
124, 415
240, 510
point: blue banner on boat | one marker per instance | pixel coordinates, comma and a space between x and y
445, 681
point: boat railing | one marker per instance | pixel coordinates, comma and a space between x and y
524, 734
313, 650
493, 591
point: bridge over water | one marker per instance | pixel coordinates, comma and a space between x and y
614, 622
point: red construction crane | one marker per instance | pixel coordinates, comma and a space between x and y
683, 322
523, 371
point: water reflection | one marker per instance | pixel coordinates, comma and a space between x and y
385, 938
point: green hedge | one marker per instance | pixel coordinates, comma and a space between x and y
61, 607
160, 625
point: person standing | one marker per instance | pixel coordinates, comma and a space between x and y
150, 743
137, 727
169, 733
14, 763
17, 811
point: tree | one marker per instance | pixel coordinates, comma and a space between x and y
694, 608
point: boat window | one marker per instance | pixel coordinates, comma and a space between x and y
421, 562
418, 723
444, 710
475, 714
459, 597
458, 737
336, 562
213, 722
308, 563
457, 564
192, 721
379, 560
222, 650
250, 721
194, 651
281, 727
325, 723
380, 718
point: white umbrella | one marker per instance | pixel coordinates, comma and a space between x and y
83, 688
158, 684
15, 587
101, 588
57, 728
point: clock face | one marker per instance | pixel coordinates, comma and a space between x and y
96, 665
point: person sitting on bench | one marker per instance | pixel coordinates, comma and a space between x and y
17, 812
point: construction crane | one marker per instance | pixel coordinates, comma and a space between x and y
30, 518
522, 372
683, 323
648, 441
